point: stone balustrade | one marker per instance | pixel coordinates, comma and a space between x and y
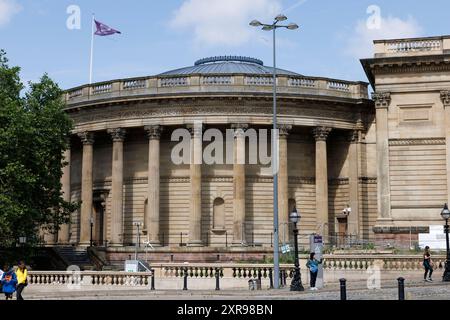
342, 264
128, 88
421, 46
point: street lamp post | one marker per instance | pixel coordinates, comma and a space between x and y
446, 215
138, 239
273, 27
296, 284
92, 227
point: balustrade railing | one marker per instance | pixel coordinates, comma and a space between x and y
75, 93
134, 84
301, 82
174, 82
413, 45
217, 80
340, 86
102, 88
259, 81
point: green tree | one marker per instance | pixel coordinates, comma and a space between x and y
34, 133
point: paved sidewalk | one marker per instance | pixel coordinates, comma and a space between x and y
415, 290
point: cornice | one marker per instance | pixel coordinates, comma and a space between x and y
417, 142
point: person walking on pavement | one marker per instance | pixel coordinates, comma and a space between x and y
9, 282
22, 281
427, 264
313, 266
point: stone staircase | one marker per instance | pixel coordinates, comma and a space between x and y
76, 256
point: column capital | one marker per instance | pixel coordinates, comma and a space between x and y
382, 99
87, 138
154, 132
445, 97
284, 129
117, 134
239, 129
196, 130
321, 133
353, 136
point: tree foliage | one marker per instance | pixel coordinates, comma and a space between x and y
34, 133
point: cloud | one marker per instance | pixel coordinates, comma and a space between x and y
8, 8
360, 43
219, 22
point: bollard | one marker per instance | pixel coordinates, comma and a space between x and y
401, 288
270, 278
185, 279
217, 279
343, 289
153, 280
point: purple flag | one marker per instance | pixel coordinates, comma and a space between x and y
104, 30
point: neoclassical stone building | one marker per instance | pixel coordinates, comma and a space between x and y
384, 158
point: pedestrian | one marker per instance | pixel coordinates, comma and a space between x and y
313, 265
22, 281
9, 282
428, 265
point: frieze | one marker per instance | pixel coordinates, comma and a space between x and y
417, 142
149, 111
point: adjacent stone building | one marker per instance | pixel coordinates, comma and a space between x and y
387, 158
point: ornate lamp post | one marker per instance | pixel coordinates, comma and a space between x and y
273, 27
296, 284
446, 215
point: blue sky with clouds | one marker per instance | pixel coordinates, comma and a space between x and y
162, 35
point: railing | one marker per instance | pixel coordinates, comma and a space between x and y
259, 81
218, 80
230, 83
331, 263
174, 82
75, 93
94, 278
340, 86
102, 88
134, 84
302, 82
414, 45
421, 46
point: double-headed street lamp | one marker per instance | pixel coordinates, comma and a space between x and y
296, 284
446, 215
273, 27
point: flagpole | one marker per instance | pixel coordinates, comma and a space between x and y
92, 49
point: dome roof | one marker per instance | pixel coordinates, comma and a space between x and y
228, 65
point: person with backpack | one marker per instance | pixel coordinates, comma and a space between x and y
22, 281
9, 282
313, 266
428, 265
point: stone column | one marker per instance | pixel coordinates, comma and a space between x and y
152, 224
321, 136
86, 186
116, 227
239, 184
353, 179
283, 183
382, 102
445, 96
195, 221
64, 231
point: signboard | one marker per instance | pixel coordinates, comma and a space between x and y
131, 266
316, 246
285, 248
435, 239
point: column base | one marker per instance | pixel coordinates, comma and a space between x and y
195, 243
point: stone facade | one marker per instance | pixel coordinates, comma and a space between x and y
386, 158
411, 81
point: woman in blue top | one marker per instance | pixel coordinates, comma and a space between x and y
313, 266
9, 282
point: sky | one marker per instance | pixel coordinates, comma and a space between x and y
54, 36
